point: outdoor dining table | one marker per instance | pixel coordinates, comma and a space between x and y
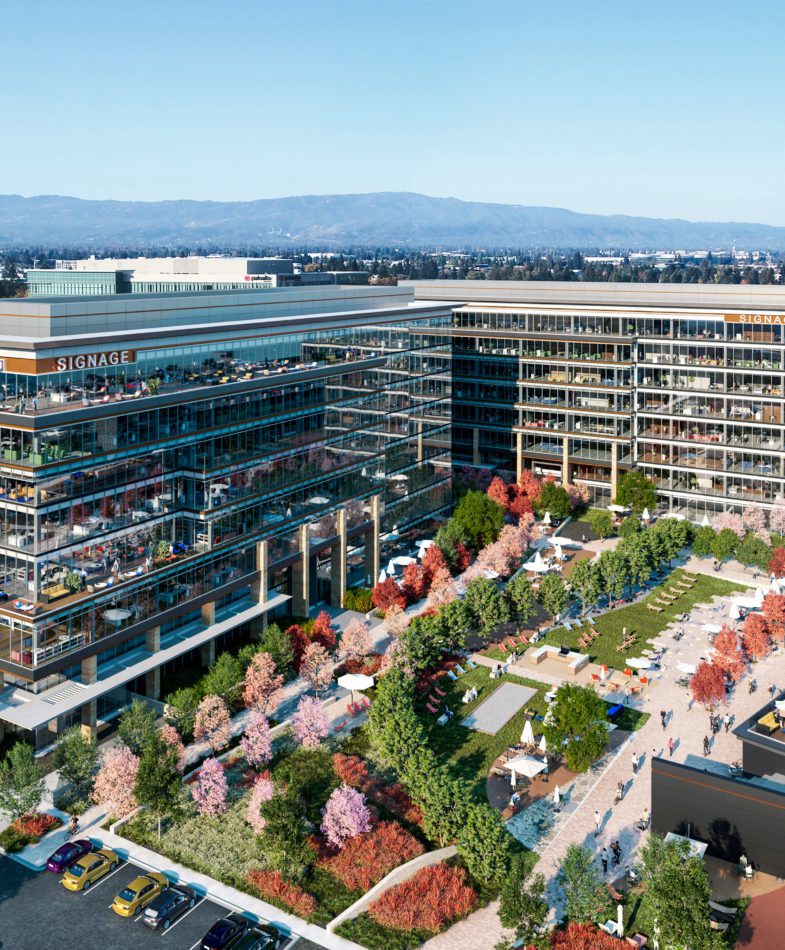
117, 615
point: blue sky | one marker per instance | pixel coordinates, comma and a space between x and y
668, 109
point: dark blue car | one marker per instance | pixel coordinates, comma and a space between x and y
225, 932
67, 854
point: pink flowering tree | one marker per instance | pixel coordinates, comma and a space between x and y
356, 640
317, 668
262, 686
397, 620
256, 742
442, 588
579, 494
213, 723
394, 655
310, 723
114, 784
495, 558
753, 518
514, 540
345, 815
263, 790
209, 789
764, 535
777, 517
172, 737
727, 519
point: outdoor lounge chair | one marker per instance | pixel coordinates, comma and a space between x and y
452, 675
366, 703
595, 678
566, 624
470, 664
459, 669
578, 622
340, 725
431, 709
438, 691
722, 910
433, 699
523, 640
502, 647
652, 607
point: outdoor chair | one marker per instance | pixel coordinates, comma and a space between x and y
627, 672
433, 699
431, 709
460, 670
366, 703
595, 678
470, 664
355, 708
340, 725
637, 940
644, 680
502, 647
722, 910
438, 691
578, 622
452, 675
566, 624
523, 640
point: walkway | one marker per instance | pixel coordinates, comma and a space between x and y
761, 928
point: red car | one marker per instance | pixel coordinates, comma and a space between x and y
67, 854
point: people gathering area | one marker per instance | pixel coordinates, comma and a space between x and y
510, 713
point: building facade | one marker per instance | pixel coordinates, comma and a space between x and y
176, 467
586, 380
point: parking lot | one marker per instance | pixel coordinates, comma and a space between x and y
38, 913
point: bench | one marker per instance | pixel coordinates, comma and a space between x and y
54, 592
615, 711
767, 725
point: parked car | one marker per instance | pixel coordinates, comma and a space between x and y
164, 909
133, 898
225, 932
91, 867
262, 937
67, 854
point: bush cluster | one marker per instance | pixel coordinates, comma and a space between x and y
271, 886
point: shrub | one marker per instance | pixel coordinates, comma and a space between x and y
359, 599
11, 839
36, 826
366, 859
308, 774
270, 885
350, 769
427, 901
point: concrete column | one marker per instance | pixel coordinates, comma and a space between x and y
89, 670
475, 446
152, 679
372, 543
89, 718
207, 654
301, 577
614, 469
419, 441
259, 591
518, 456
565, 460
338, 561
208, 613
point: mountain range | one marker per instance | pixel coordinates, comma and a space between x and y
379, 219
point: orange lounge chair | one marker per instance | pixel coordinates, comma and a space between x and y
431, 709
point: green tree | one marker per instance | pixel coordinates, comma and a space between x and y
137, 726
76, 758
615, 572
520, 596
180, 709
275, 642
522, 904
636, 491
724, 544
553, 594
601, 522
158, 780
21, 782
576, 723
586, 897
673, 535
486, 605
283, 840
225, 679
484, 844
553, 498
456, 621
703, 542
640, 563
585, 579
394, 727
423, 640
447, 538
751, 551
676, 895
630, 527
480, 518
441, 797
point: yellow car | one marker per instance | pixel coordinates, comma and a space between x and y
137, 895
90, 868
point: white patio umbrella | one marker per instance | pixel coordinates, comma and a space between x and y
543, 746
426, 543
527, 736
639, 663
526, 765
382, 576
404, 560
355, 681
399, 478
318, 500
557, 552
646, 516
705, 522
617, 509
688, 668
547, 518
619, 921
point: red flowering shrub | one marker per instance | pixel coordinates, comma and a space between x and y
350, 769
367, 858
387, 593
271, 886
464, 556
36, 826
584, 937
432, 562
395, 800
427, 901
322, 630
299, 640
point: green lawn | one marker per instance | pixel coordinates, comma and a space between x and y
637, 618
472, 753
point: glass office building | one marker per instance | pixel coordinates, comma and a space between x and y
175, 468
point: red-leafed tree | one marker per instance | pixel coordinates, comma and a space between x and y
708, 684
583, 937
499, 492
427, 901
728, 656
777, 562
774, 612
433, 560
386, 594
299, 641
322, 630
413, 583
756, 637
464, 556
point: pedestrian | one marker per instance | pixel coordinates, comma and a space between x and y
619, 792
664, 719
706, 745
634, 764
671, 746
616, 849
626, 695
772, 690
583, 538
645, 818
597, 823
726, 722
604, 860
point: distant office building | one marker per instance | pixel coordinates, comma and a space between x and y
175, 467
159, 275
